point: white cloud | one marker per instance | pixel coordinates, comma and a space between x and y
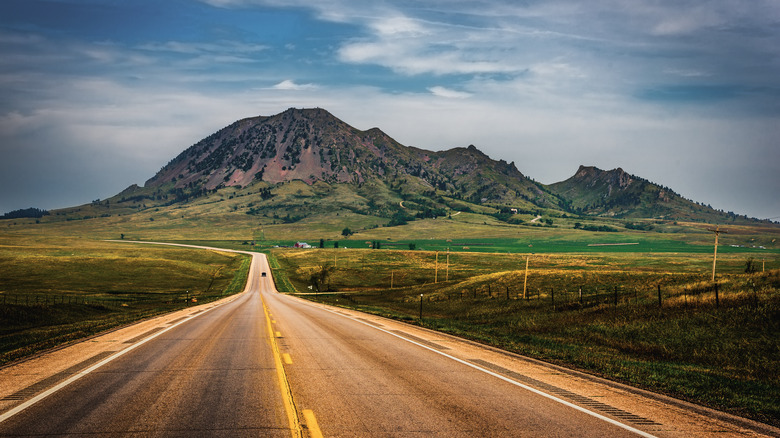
289, 84
399, 26
411, 58
448, 93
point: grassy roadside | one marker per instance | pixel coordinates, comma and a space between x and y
54, 293
280, 276
725, 357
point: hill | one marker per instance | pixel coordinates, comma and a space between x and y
616, 193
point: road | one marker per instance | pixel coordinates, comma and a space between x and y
212, 375
267, 364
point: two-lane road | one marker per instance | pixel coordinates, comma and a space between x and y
213, 375
267, 364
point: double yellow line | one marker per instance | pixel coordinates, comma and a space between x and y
284, 384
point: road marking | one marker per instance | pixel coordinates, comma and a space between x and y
504, 378
10, 413
284, 385
311, 424
287, 359
46, 383
154, 330
289, 406
582, 400
278, 334
421, 340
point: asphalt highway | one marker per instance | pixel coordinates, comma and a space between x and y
213, 375
268, 364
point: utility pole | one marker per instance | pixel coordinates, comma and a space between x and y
447, 272
525, 279
717, 232
436, 271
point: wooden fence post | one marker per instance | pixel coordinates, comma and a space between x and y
717, 301
552, 297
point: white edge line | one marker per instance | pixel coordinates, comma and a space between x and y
504, 378
10, 413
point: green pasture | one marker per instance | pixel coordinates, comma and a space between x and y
538, 245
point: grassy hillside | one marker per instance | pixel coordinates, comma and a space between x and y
374, 210
615, 193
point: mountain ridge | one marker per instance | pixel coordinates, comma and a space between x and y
616, 193
313, 145
370, 174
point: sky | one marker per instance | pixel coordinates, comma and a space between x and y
98, 95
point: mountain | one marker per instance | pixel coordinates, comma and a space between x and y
308, 145
306, 166
311, 145
592, 191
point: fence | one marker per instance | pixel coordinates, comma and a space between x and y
51, 300
726, 292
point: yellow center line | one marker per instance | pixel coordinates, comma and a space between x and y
289, 405
287, 359
311, 424
278, 334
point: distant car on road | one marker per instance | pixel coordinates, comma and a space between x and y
263, 274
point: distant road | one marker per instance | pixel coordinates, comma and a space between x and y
303, 369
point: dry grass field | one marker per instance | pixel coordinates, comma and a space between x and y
651, 320
55, 290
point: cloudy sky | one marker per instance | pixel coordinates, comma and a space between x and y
96, 95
